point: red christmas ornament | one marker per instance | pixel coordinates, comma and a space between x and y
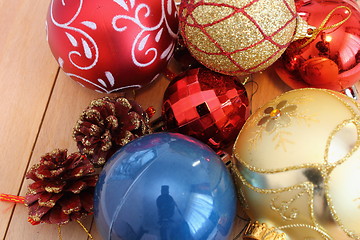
332, 59
206, 105
110, 45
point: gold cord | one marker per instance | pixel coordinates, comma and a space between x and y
83, 227
59, 232
315, 32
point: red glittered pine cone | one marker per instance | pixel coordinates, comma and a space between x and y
63, 188
106, 125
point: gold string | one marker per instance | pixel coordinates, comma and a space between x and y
59, 232
87, 231
315, 32
250, 80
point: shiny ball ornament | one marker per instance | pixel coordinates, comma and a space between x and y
332, 59
238, 37
109, 45
209, 106
165, 186
297, 162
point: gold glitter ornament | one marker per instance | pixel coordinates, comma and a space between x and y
297, 165
239, 37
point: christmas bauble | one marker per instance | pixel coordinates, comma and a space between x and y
238, 37
332, 59
209, 106
165, 186
297, 162
112, 45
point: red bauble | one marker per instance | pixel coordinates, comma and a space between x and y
110, 45
206, 105
332, 59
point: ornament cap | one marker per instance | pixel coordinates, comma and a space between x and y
303, 29
260, 231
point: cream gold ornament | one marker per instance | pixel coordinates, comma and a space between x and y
239, 37
297, 165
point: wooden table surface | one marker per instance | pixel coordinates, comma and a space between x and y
39, 106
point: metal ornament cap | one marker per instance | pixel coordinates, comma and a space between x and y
260, 231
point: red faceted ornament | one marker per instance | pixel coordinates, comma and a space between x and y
206, 105
111, 45
332, 59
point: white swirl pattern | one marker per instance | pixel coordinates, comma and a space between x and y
143, 36
103, 87
91, 49
87, 41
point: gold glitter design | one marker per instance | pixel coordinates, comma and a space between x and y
106, 139
135, 120
325, 168
127, 138
91, 113
94, 129
71, 210
208, 14
104, 101
239, 32
113, 121
125, 102
268, 63
217, 60
254, 56
35, 217
323, 234
236, 3
271, 15
49, 203
85, 141
201, 41
282, 37
53, 189
101, 161
285, 205
80, 173
189, 19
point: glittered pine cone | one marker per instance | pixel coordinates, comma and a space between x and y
106, 125
63, 190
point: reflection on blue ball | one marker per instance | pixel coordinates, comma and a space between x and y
165, 186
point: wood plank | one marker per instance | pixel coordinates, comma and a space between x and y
25, 87
67, 102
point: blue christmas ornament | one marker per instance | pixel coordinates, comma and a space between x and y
165, 186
